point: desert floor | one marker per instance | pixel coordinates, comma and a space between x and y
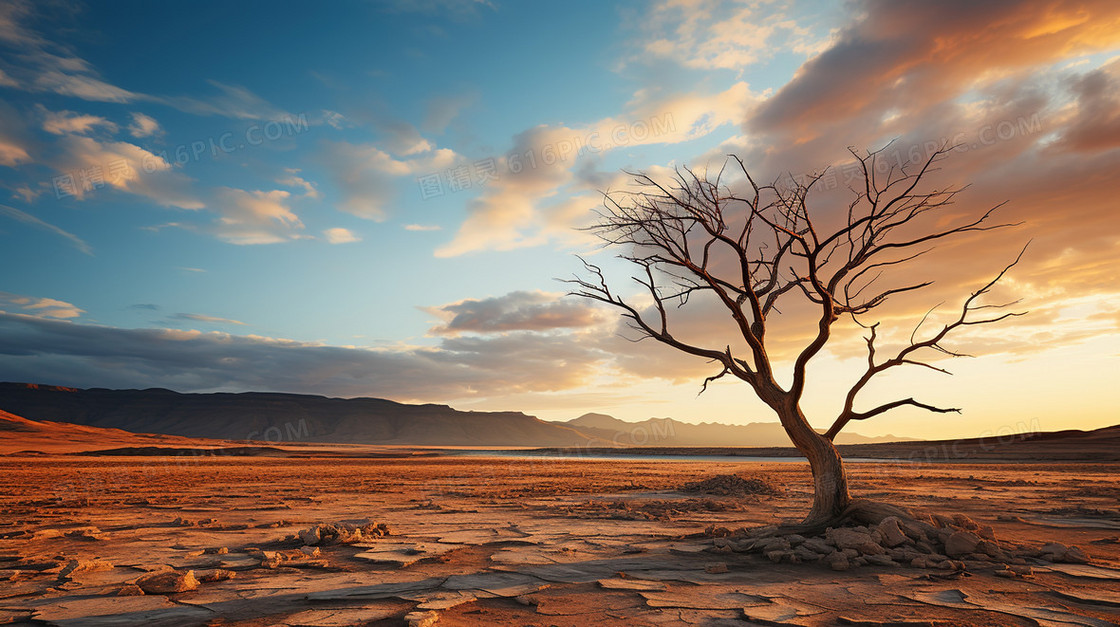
499, 541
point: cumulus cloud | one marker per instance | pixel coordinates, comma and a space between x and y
122, 166
515, 311
544, 160
144, 126
340, 235
255, 216
368, 176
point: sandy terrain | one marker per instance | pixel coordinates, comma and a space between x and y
509, 542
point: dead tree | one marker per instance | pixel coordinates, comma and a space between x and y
758, 249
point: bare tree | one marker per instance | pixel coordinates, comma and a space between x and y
756, 250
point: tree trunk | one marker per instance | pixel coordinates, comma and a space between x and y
830, 482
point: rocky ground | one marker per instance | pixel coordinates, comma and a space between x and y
469, 541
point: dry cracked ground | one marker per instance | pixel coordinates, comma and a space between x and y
499, 541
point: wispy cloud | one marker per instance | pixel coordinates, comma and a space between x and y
204, 318
41, 307
63, 122
16, 214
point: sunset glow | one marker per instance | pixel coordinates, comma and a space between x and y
376, 199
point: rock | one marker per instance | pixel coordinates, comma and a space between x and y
774, 544
1075, 556
795, 539
891, 533
961, 543
986, 532
838, 561
421, 619
853, 538
880, 560
1005, 573
130, 590
169, 582
76, 566
919, 530
216, 574
221, 550
716, 569
818, 545
343, 533
310, 537
807, 555
779, 555
1021, 570
311, 551
964, 522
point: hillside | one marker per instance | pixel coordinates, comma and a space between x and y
20, 434
283, 418
669, 432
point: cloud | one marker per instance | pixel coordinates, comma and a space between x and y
441, 110
231, 101
367, 175
63, 122
122, 166
41, 307
509, 214
11, 153
144, 126
910, 54
36, 349
254, 217
422, 227
26, 218
204, 318
715, 34
15, 144
291, 178
45, 66
516, 311
340, 235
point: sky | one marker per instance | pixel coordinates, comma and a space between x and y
378, 198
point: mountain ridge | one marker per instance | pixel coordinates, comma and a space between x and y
673, 432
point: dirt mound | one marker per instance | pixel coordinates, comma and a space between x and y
732, 485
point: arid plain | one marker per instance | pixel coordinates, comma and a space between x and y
454, 540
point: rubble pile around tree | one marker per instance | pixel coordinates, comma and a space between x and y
955, 543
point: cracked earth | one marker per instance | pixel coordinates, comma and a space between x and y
503, 541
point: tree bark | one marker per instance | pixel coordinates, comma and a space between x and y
830, 482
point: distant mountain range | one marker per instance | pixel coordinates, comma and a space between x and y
669, 432
279, 418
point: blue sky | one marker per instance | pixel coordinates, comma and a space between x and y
264, 177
